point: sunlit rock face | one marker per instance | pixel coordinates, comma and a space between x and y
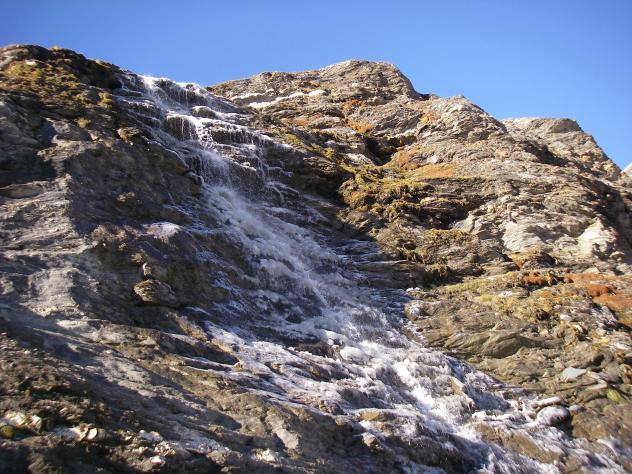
323, 271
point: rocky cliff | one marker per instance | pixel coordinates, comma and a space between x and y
323, 271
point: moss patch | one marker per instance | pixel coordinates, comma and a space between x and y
106, 100
60, 79
83, 122
51, 83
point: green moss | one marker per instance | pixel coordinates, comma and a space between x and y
64, 81
296, 141
330, 153
106, 101
483, 286
7, 432
614, 396
293, 140
83, 122
439, 271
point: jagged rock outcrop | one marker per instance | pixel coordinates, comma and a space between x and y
298, 271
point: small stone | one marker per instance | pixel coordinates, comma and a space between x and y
573, 409
26, 190
267, 456
415, 311
74, 433
546, 402
610, 373
81, 431
372, 414
570, 374
194, 177
16, 418
165, 449
371, 441
203, 111
129, 134
626, 358
35, 423
553, 415
617, 256
156, 292
125, 435
157, 461
153, 272
600, 385
151, 436
96, 434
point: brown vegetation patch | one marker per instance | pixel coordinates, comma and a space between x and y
616, 303
408, 158
595, 291
360, 126
447, 170
351, 104
432, 242
50, 83
612, 291
539, 279
61, 78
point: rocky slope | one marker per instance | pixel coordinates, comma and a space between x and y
323, 271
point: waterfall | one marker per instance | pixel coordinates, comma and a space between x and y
301, 320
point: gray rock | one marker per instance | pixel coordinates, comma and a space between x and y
571, 374
26, 190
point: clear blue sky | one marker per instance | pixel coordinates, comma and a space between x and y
558, 58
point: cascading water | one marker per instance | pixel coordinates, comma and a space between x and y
303, 326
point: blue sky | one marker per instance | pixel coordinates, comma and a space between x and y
562, 58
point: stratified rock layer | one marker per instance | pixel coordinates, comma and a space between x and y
199, 281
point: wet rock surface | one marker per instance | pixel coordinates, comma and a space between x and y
322, 271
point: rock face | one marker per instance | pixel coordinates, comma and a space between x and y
323, 271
